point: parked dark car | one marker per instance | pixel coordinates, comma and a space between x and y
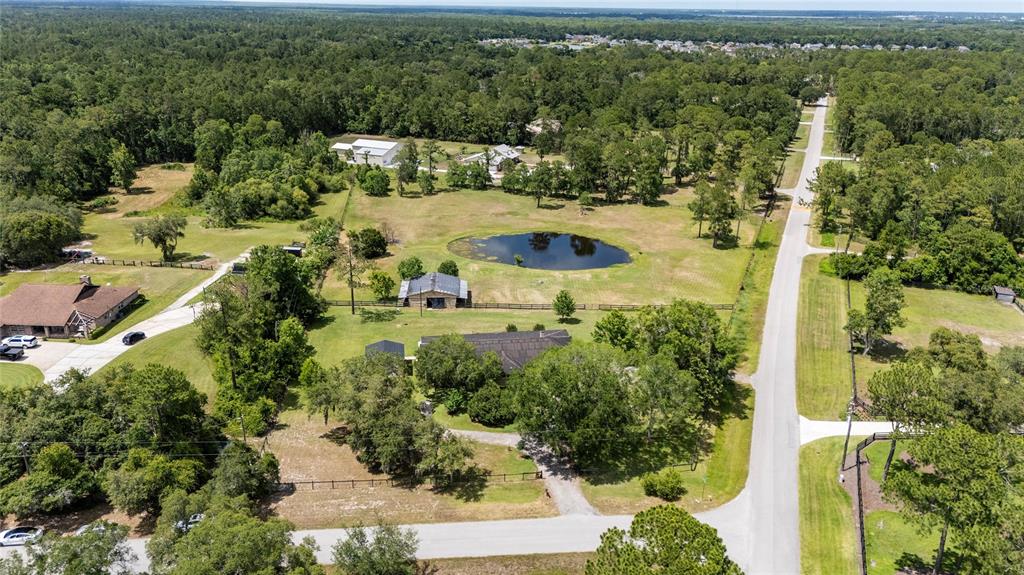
11, 353
133, 337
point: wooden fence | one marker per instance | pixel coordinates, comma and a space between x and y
150, 264
522, 306
321, 484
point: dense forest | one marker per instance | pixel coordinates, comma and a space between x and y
86, 92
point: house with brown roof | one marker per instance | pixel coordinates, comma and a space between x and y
62, 310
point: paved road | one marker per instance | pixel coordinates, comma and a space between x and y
95, 356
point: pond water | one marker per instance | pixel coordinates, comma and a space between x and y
544, 250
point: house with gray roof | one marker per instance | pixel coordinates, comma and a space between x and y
514, 348
434, 290
496, 157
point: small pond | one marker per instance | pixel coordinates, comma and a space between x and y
543, 250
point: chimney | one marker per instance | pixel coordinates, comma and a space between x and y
85, 280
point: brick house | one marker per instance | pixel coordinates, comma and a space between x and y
61, 310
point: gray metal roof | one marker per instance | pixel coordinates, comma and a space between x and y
1002, 290
514, 348
386, 346
434, 282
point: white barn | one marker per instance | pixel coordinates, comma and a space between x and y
365, 150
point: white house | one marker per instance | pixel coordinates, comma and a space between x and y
365, 150
498, 155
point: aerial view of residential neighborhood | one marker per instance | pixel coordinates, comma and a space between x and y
511, 288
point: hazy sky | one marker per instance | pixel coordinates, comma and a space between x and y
921, 5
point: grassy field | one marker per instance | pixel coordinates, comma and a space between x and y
307, 451
110, 233
176, 348
160, 286
823, 375
668, 261
19, 375
803, 133
791, 170
715, 480
807, 115
827, 530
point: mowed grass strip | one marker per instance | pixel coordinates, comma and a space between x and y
554, 564
791, 170
803, 134
19, 375
823, 368
668, 260
160, 286
828, 544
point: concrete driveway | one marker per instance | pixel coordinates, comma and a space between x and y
48, 353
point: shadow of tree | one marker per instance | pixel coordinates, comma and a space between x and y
378, 315
468, 486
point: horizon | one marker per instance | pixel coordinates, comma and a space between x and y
996, 7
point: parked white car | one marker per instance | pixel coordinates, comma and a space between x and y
26, 341
186, 525
20, 535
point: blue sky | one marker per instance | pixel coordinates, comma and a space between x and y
889, 5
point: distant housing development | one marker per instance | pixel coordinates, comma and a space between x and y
55, 310
514, 348
367, 151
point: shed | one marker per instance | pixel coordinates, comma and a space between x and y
434, 290
386, 346
1004, 293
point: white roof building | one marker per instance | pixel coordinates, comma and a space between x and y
498, 154
376, 152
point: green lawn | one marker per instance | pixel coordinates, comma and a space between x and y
668, 260
112, 235
807, 115
791, 170
177, 349
823, 368
829, 147
803, 133
823, 376
19, 375
828, 544
889, 535
160, 286
715, 480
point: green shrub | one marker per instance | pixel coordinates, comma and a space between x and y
454, 401
666, 484
491, 406
538, 327
449, 267
511, 327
